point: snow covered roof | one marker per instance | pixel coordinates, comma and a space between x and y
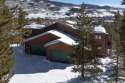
72, 26
70, 22
99, 29
35, 26
65, 38
34, 37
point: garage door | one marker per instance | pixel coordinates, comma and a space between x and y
59, 56
38, 50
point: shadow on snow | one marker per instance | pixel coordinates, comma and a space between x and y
28, 64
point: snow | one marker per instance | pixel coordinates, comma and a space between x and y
34, 26
34, 37
97, 29
52, 5
101, 13
100, 29
77, 7
11, 3
45, 15
70, 22
36, 69
70, 25
62, 13
65, 38
107, 14
64, 10
105, 60
109, 21
52, 42
14, 45
32, 15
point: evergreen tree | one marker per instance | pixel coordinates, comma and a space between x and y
123, 24
10, 32
84, 52
21, 22
39, 20
122, 36
21, 17
6, 52
123, 2
118, 39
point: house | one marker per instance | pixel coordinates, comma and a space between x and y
54, 41
102, 41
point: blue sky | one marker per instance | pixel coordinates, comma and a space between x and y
116, 3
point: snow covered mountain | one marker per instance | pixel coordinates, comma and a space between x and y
55, 10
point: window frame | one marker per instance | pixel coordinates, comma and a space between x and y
98, 37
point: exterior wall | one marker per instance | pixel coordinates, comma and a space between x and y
42, 40
103, 42
66, 29
39, 41
58, 46
61, 46
61, 27
35, 32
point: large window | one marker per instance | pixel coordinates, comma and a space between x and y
99, 37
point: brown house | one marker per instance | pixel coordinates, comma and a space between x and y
55, 41
102, 41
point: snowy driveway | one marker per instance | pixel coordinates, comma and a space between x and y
36, 69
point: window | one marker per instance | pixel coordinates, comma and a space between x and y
98, 37
99, 46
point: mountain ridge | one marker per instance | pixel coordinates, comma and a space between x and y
54, 9
64, 3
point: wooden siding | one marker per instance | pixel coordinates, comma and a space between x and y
58, 46
42, 40
62, 46
103, 42
35, 32
61, 27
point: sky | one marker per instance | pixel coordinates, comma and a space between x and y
116, 3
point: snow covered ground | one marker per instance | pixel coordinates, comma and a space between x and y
36, 69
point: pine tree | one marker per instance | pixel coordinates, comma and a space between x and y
39, 20
123, 2
21, 22
10, 32
6, 52
118, 39
84, 52
122, 36
123, 24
